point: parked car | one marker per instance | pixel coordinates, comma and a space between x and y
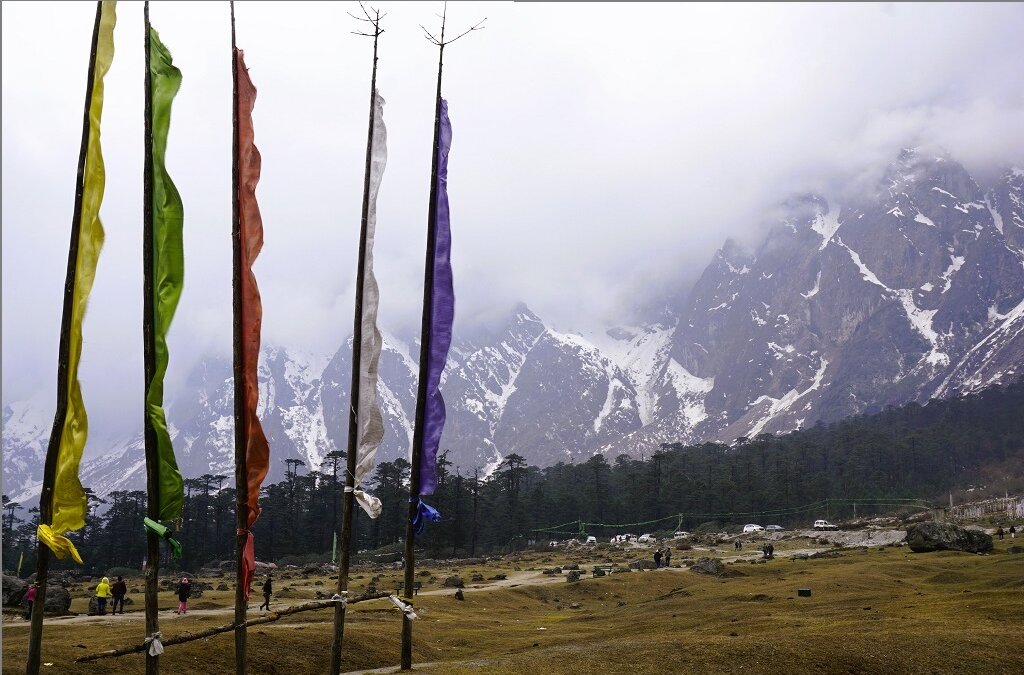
774, 528
646, 539
553, 544
824, 525
752, 527
591, 540
680, 535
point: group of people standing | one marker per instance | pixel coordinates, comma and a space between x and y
1012, 531
662, 557
105, 591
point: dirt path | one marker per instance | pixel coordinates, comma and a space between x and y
168, 617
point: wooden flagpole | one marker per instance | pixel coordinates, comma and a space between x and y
348, 503
50, 467
425, 347
149, 357
241, 436
421, 394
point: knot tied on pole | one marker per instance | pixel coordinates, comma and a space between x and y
165, 533
424, 512
156, 648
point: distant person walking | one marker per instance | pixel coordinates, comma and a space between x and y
668, 556
184, 591
268, 590
102, 593
657, 558
771, 550
999, 532
1013, 532
119, 590
30, 599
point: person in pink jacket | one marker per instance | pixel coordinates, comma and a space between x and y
30, 598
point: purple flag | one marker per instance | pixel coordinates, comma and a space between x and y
442, 313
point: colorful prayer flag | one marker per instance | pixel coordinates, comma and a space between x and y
257, 450
168, 271
370, 422
69, 501
442, 313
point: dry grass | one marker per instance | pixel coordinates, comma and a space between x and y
875, 611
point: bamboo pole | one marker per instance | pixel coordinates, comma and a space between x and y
149, 357
53, 448
421, 397
241, 436
348, 504
190, 637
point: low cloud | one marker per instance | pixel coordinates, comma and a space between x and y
601, 154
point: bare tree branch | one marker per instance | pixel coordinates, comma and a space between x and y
440, 41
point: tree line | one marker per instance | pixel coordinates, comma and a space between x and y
913, 451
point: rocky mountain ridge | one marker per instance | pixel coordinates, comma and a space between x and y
912, 292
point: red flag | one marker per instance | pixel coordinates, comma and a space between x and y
257, 451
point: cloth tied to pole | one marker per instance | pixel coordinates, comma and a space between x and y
424, 512
341, 598
367, 502
61, 546
248, 560
404, 606
165, 533
156, 648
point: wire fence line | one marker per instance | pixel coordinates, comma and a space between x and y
580, 526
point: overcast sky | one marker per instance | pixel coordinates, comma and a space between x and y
601, 152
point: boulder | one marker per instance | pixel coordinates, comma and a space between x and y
1012, 549
454, 582
710, 566
574, 575
498, 577
223, 587
58, 600
210, 572
14, 590
642, 565
931, 536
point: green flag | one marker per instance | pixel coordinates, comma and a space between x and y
168, 268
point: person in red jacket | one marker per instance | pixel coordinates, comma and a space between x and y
30, 599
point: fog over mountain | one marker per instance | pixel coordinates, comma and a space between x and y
911, 291
601, 155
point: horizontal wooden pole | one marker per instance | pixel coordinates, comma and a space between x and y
189, 637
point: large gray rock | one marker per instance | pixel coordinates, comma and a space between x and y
58, 600
932, 536
710, 566
13, 590
642, 565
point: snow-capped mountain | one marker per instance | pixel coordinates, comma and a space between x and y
912, 292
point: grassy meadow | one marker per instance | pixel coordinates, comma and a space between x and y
874, 610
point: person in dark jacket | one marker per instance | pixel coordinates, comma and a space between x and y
668, 556
119, 590
184, 591
657, 558
268, 590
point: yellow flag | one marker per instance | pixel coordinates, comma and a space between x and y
69, 501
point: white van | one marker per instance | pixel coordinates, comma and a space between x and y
824, 525
591, 540
751, 527
680, 535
